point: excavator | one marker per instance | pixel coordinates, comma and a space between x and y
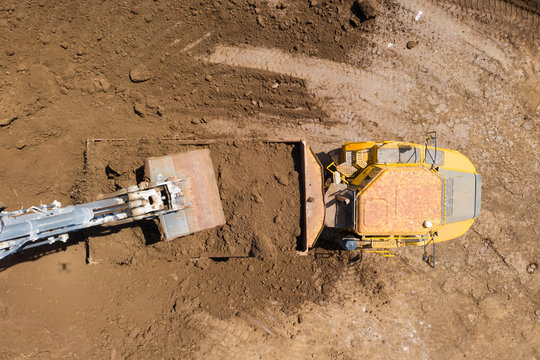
374, 195
391, 194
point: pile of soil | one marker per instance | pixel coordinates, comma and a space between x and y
259, 185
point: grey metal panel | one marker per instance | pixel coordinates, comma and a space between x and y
478, 198
159, 168
430, 154
403, 154
463, 196
15, 231
74, 219
174, 225
78, 216
449, 197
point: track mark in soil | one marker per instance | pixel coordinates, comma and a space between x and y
193, 44
345, 92
521, 19
439, 19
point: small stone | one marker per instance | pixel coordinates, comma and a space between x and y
260, 20
148, 18
21, 67
139, 109
275, 85
365, 9
313, 3
160, 110
208, 78
10, 52
64, 45
140, 73
536, 312
44, 38
411, 44
201, 264
300, 319
80, 51
282, 179
2, 206
279, 218
21, 144
104, 83
531, 268
258, 198
354, 22
151, 102
134, 333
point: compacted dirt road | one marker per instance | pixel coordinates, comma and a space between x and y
327, 71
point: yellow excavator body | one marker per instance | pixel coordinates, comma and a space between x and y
389, 194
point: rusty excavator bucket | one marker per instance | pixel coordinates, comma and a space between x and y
203, 208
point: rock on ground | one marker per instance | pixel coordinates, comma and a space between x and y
140, 73
365, 9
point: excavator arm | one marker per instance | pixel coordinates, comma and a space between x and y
182, 194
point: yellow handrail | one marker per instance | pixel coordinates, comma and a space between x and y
334, 172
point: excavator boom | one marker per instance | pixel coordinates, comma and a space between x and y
182, 194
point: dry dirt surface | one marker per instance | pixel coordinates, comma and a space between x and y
327, 71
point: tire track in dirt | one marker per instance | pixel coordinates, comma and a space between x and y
348, 94
472, 51
516, 19
437, 17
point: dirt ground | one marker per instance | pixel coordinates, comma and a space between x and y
327, 71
